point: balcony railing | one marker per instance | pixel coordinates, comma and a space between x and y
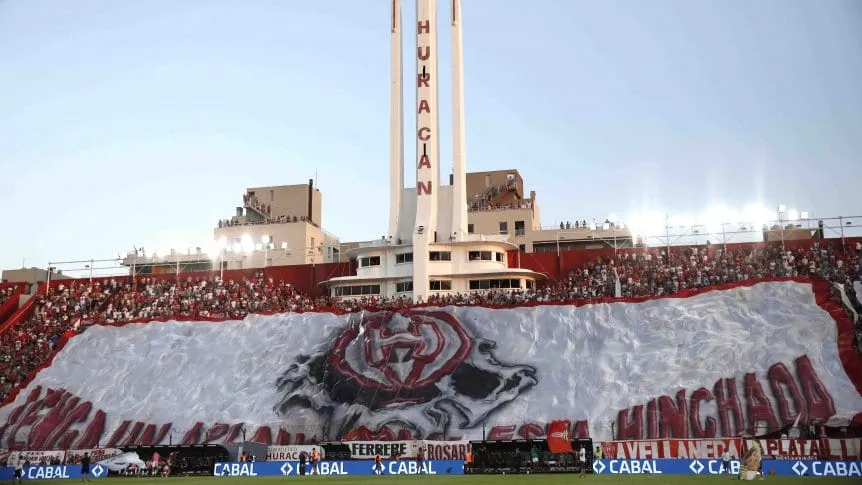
520, 204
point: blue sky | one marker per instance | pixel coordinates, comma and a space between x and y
141, 123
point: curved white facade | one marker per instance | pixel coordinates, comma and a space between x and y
428, 250
456, 267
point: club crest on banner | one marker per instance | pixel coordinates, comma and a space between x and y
417, 370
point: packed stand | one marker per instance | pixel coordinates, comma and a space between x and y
66, 307
654, 272
657, 273
200, 298
629, 274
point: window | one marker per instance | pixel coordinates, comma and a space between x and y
522, 248
403, 286
271, 195
520, 228
504, 228
440, 256
499, 257
403, 258
480, 256
369, 261
487, 180
530, 284
495, 284
441, 285
357, 290
469, 228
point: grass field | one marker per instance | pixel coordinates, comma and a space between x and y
556, 479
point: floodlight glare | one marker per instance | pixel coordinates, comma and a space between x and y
782, 208
792, 215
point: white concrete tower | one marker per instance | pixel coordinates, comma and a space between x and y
396, 124
459, 149
427, 144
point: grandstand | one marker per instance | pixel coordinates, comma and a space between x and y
640, 341
70, 306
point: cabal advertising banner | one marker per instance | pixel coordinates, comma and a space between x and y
789, 468
363, 467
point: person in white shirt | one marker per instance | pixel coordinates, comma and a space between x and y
725, 462
582, 459
18, 463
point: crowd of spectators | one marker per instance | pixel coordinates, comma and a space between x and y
29, 342
69, 308
236, 221
583, 225
6, 293
203, 298
255, 203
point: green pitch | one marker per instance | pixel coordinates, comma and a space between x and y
557, 479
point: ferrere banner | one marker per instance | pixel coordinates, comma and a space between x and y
364, 467
434, 450
816, 468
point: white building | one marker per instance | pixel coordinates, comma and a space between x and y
428, 249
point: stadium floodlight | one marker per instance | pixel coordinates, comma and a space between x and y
284, 245
648, 223
266, 239
246, 243
716, 217
803, 214
757, 215
792, 215
258, 247
782, 208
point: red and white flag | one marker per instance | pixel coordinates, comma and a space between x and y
558, 437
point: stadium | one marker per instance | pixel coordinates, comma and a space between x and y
468, 342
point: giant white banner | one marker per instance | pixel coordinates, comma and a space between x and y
743, 360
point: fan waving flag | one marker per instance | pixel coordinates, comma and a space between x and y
558, 437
